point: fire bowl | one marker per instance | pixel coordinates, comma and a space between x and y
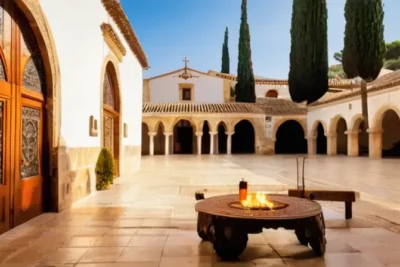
276, 206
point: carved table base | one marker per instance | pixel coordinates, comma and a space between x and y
229, 235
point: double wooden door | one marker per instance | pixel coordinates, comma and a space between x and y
21, 180
110, 136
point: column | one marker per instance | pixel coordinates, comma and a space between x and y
312, 145
199, 135
167, 135
352, 143
229, 143
212, 135
216, 144
332, 144
375, 143
151, 135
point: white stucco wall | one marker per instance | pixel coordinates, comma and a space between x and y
350, 108
207, 89
262, 89
81, 51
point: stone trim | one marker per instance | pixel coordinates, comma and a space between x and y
117, 13
113, 41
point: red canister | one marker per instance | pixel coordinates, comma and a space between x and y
242, 190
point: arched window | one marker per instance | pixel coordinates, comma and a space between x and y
272, 93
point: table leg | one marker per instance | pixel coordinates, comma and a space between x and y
203, 225
228, 238
317, 234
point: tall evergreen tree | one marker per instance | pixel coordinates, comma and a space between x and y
245, 87
308, 75
225, 54
364, 44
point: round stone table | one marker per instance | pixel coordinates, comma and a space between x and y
222, 221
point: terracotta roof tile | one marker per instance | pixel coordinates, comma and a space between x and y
201, 108
386, 81
279, 106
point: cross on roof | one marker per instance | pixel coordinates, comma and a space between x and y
186, 60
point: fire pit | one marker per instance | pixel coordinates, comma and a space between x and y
226, 222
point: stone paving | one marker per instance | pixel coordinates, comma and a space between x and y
148, 220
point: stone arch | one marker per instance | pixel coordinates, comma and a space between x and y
390, 134
290, 137
379, 114
159, 139
314, 128
206, 128
184, 141
281, 121
355, 122
244, 137
222, 138
145, 144
358, 136
192, 122
111, 107
318, 139
334, 123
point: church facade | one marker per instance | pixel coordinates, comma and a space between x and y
187, 111
68, 87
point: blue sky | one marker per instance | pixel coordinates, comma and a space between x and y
169, 30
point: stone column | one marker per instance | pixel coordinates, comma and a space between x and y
375, 143
352, 143
212, 134
332, 144
229, 143
312, 145
199, 135
216, 146
167, 135
151, 135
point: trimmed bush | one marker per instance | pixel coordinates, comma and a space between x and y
104, 169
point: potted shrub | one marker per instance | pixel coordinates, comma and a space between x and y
104, 169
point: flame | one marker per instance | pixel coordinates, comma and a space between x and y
257, 200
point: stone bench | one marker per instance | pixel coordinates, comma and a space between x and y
348, 197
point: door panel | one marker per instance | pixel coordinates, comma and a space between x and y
28, 193
4, 174
109, 122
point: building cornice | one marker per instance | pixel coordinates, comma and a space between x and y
113, 41
116, 12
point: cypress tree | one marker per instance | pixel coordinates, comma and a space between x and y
364, 44
245, 87
308, 75
225, 54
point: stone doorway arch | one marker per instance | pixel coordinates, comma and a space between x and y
111, 117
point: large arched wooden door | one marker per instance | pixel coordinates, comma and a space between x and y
111, 114
22, 97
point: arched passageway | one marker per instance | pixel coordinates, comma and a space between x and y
159, 140
222, 138
322, 145
243, 140
391, 134
183, 137
145, 139
205, 139
363, 141
341, 137
290, 139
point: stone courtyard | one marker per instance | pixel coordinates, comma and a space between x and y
148, 220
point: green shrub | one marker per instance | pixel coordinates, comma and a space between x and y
104, 169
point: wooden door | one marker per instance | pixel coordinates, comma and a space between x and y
28, 201
5, 182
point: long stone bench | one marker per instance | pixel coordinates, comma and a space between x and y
348, 197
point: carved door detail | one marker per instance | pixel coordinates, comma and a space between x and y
108, 136
30, 142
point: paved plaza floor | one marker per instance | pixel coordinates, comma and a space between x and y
148, 220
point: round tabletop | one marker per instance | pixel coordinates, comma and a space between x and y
298, 208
